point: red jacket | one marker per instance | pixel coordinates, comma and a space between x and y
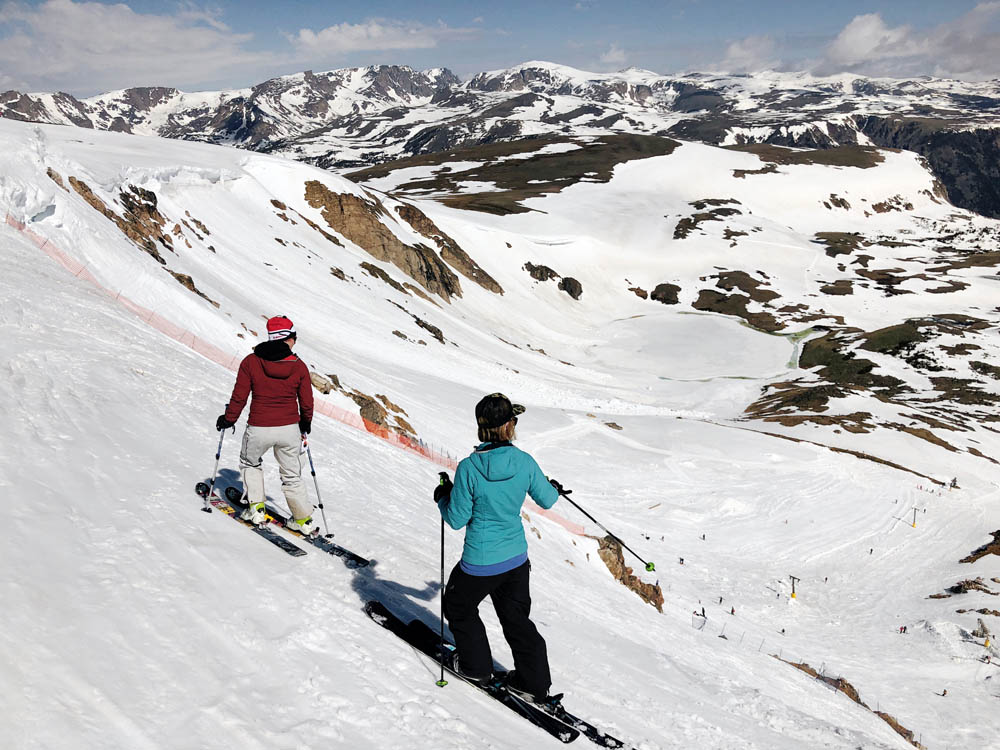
280, 384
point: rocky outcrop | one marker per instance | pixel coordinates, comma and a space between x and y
452, 254
571, 286
966, 160
990, 548
540, 273
665, 293
843, 686
359, 220
610, 551
142, 222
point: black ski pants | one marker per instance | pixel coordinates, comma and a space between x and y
512, 601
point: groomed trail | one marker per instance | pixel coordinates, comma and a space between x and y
137, 621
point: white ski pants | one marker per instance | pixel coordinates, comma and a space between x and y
286, 442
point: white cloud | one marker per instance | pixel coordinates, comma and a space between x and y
374, 35
90, 46
967, 47
615, 55
751, 53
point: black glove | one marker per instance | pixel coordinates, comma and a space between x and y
559, 488
222, 423
305, 425
443, 490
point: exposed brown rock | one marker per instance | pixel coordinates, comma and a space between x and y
540, 273
187, 282
389, 405
610, 551
201, 227
321, 384
571, 286
665, 293
371, 410
359, 220
372, 270
990, 548
639, 292
843, 686
56, 178
142, 221
450, 250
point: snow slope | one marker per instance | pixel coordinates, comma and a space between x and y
138, 621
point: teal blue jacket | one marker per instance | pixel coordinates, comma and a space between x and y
487, 497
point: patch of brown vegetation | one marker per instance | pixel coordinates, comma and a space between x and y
688, 224
990, 548
840, 243
732, 234
736, 304
986, 369
521, 179
960, 349
730, 280
740, 174
610, 551
838, 287
452, 254
639, 292
613, 425
359, 220
862, 157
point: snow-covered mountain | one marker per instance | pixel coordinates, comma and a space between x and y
362, 116
748, 363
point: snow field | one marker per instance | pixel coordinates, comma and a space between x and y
110, 426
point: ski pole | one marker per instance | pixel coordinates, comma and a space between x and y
319, 500
442, 682
649, 566
207, 507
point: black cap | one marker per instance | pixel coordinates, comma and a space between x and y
496, 410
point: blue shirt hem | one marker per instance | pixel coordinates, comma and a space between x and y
494, 569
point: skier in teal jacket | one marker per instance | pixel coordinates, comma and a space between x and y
486, 498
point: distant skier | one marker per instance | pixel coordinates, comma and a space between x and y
281, 411
486, 499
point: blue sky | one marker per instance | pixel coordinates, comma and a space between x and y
87, 47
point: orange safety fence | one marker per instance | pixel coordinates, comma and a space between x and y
232, 361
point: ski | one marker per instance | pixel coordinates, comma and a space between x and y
351, 559
416, 634
228, 509
585, 728
559, 713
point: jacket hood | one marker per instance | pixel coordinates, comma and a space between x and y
496, 462
276, 358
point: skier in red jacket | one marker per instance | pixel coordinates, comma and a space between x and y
281, 411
